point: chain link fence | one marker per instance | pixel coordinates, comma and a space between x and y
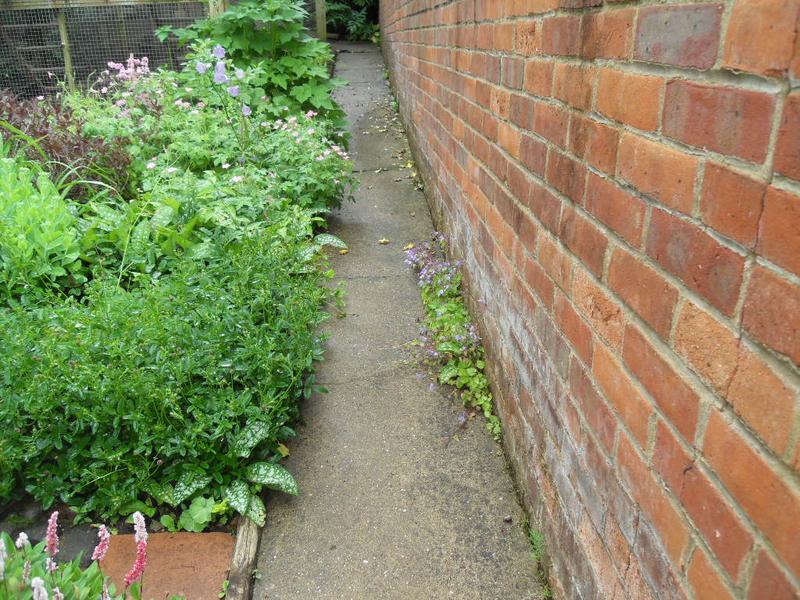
46, 42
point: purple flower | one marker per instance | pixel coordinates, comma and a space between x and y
218, 52
219, 73
239, 74
233, 90
246, 110
202, 67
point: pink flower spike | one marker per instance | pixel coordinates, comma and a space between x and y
138, 567
102, 546
139, 527
52, 535
39, 591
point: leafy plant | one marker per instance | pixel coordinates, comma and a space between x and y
451, 339
352, 19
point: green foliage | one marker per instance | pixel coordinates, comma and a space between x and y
539, 553
70, 579
352, 20
290, 68
38, 236
451, 338
156, 342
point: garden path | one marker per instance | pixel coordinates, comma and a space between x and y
397, 500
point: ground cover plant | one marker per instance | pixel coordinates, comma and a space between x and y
159, 325
450, 339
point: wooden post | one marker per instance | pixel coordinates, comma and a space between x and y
216, 7
322, 19
69, 74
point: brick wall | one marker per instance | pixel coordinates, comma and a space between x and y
622, 180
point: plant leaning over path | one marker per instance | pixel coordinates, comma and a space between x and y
450, 338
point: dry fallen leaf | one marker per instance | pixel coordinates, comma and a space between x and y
383, 241
344, 251
409, 246
284, 451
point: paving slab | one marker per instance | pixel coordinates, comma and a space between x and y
399, 498
192, 565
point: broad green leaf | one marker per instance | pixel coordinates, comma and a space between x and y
272, 476
256, 512
238, 496
189, 483
326, 239
249, 438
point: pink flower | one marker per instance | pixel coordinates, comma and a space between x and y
140, 536
26, 572
102, 546
57, 595
52, 535
51, 565
139, 527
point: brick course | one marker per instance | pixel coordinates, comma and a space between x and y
622, 182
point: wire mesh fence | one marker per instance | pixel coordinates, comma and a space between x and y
41, 47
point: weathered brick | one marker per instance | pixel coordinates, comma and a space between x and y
561, 35
772, 504
771, 312
533, 154
643, 289
731, 203
683, 35
550, 122
722, 529
573, 84
779, 232
616, 208
709, 348
630, 98
676, 398
607, 34
705, 581
528, 38
727, 120
653, 500
787, 152
601, 311
593, 141
658, 171
773, 23
555, 262
697, 259
765, 403
632, 406
769, 582
577, 332
539, 77
585, 240
567, 175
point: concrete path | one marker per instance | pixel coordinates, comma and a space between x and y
392, 504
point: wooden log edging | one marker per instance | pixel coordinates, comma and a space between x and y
245, 550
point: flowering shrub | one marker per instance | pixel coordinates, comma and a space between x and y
450, 340
33, 571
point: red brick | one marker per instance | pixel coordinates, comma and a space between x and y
567, 175
555, 263
632, 407
725, 534
630, 98
787, 152
577, 332
727, 120
779, 233
763, 400
561, 35
697, 259
616, 208
773, 23
595, 142
686, 36
513, 72
769, 582
533, 154
539, 77
664, 174
676, 399
550, 122
607, 34
573, 85
539, 282
508, 139
652, 499
731, 203
528, 38
650, 295
771, 313
772, 504
709, 348
503, 37
545, 206
705, 581
600, 310
585, 240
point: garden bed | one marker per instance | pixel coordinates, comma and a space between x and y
162, 276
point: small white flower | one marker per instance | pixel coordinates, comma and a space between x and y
22, 540
151, 165
226, 166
